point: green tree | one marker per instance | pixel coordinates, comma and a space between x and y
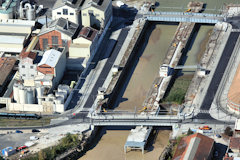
189, 132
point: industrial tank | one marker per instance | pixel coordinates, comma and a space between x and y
61, 94
59, 100
22, 95
40, 90
50, 97
63, 88
30, 12
30, 96
16, 92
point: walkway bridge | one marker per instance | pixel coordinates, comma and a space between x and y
184, 17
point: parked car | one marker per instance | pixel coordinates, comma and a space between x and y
205, 128
18, 131
35, 130
218, 136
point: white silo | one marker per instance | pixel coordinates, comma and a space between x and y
30, 11
16, 92
22, 95
50, 97
59, 100
61, 94
40, 90
63, 88
21, 11
30, 96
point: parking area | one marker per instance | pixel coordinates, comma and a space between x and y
15, 139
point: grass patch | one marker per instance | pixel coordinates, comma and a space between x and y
178, 90
68, 142
24, 122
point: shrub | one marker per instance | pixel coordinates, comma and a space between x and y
228, 131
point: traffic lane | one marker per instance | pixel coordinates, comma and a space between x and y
222, 64
106, 69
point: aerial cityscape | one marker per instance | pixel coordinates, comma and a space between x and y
119, 80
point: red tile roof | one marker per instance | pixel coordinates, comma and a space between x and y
202, 151
234, 143
88, 33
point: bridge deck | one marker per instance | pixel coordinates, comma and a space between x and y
184, 17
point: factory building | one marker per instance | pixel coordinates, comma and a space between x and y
51, 68
14, 9
68, 9
14, 34
8, 9
6, 68
57, 33
85, 44
96, 13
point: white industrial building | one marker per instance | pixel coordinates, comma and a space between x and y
14, 34
27, 68
85, 45
68, 9
53, 65
34, 99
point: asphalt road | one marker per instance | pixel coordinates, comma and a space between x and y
106, 68
217, 77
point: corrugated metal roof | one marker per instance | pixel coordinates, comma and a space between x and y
5, 39
61, 26
6, 66
88, 33
50, 58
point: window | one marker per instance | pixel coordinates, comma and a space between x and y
31, 67
54, 40
64, 43
59, 13
24, 75
45, 43
84, 14
23, 66
65, 11
71, 13
32, 75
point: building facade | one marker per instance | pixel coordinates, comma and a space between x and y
96, 13
51, 68
85, 44
57, 33
68, 9
27, 68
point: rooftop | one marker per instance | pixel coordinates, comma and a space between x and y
50, 58
31, 55
62, 25
6, 66
99, 4
88, 33
234, 143
196, 146
71, 3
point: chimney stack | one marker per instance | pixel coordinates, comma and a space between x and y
67, 24
46, 22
